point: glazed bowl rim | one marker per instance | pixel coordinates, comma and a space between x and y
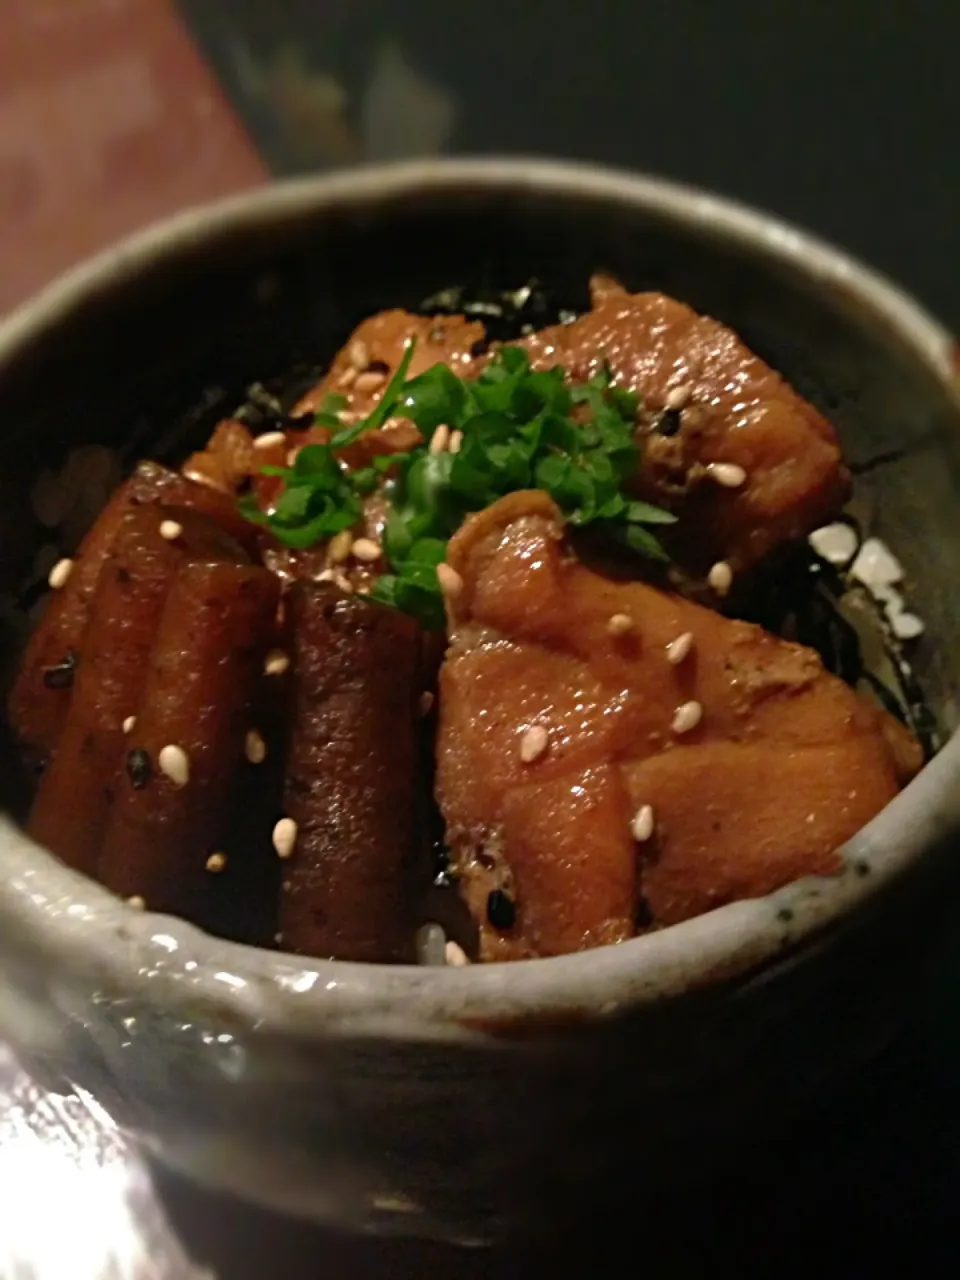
85, 933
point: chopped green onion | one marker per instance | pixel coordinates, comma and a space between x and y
520, 429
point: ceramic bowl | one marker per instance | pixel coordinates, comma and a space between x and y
464, 1103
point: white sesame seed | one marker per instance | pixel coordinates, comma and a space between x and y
216, 862
641, 828
59, 574
292, 455
679, 397
425, 704
359, 355
720, 577
456, 441
906, 626
254, 747
371, 381
340, 579
619, 624
278, 939
367, 550
200, 477
534, 743
876, 565
129, 723
276, 663
285, 837
340, 547
347, 379
679, 649
729, 475
138, 903
440, 440
269, 439
451, 584
170, 530
455, 955
175, 763
836, 542
686, 717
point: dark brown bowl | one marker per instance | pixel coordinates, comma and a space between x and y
461, 1103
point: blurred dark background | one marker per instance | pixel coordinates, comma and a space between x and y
840, 114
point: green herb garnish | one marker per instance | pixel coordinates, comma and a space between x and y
520, 430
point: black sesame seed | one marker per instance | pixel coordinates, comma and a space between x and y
669, 422
862, 868
501, 911
785, 915
643, 915
61, 676
139, 768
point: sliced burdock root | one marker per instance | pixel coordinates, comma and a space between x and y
70, 810
243, 899
352, 807
173, 796
40, 698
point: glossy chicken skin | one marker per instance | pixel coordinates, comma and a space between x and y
739, 411
363, 366
785, 764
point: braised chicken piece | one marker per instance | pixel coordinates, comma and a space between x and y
728, 445
727, 442
611, 755
362, 368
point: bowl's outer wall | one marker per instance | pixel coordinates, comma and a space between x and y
462, 1135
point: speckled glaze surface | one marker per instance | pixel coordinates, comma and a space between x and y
467, 1103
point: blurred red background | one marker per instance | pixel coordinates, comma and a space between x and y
109, 118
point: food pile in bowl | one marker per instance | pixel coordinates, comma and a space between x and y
504, 639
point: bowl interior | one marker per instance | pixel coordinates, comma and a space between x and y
194, 318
